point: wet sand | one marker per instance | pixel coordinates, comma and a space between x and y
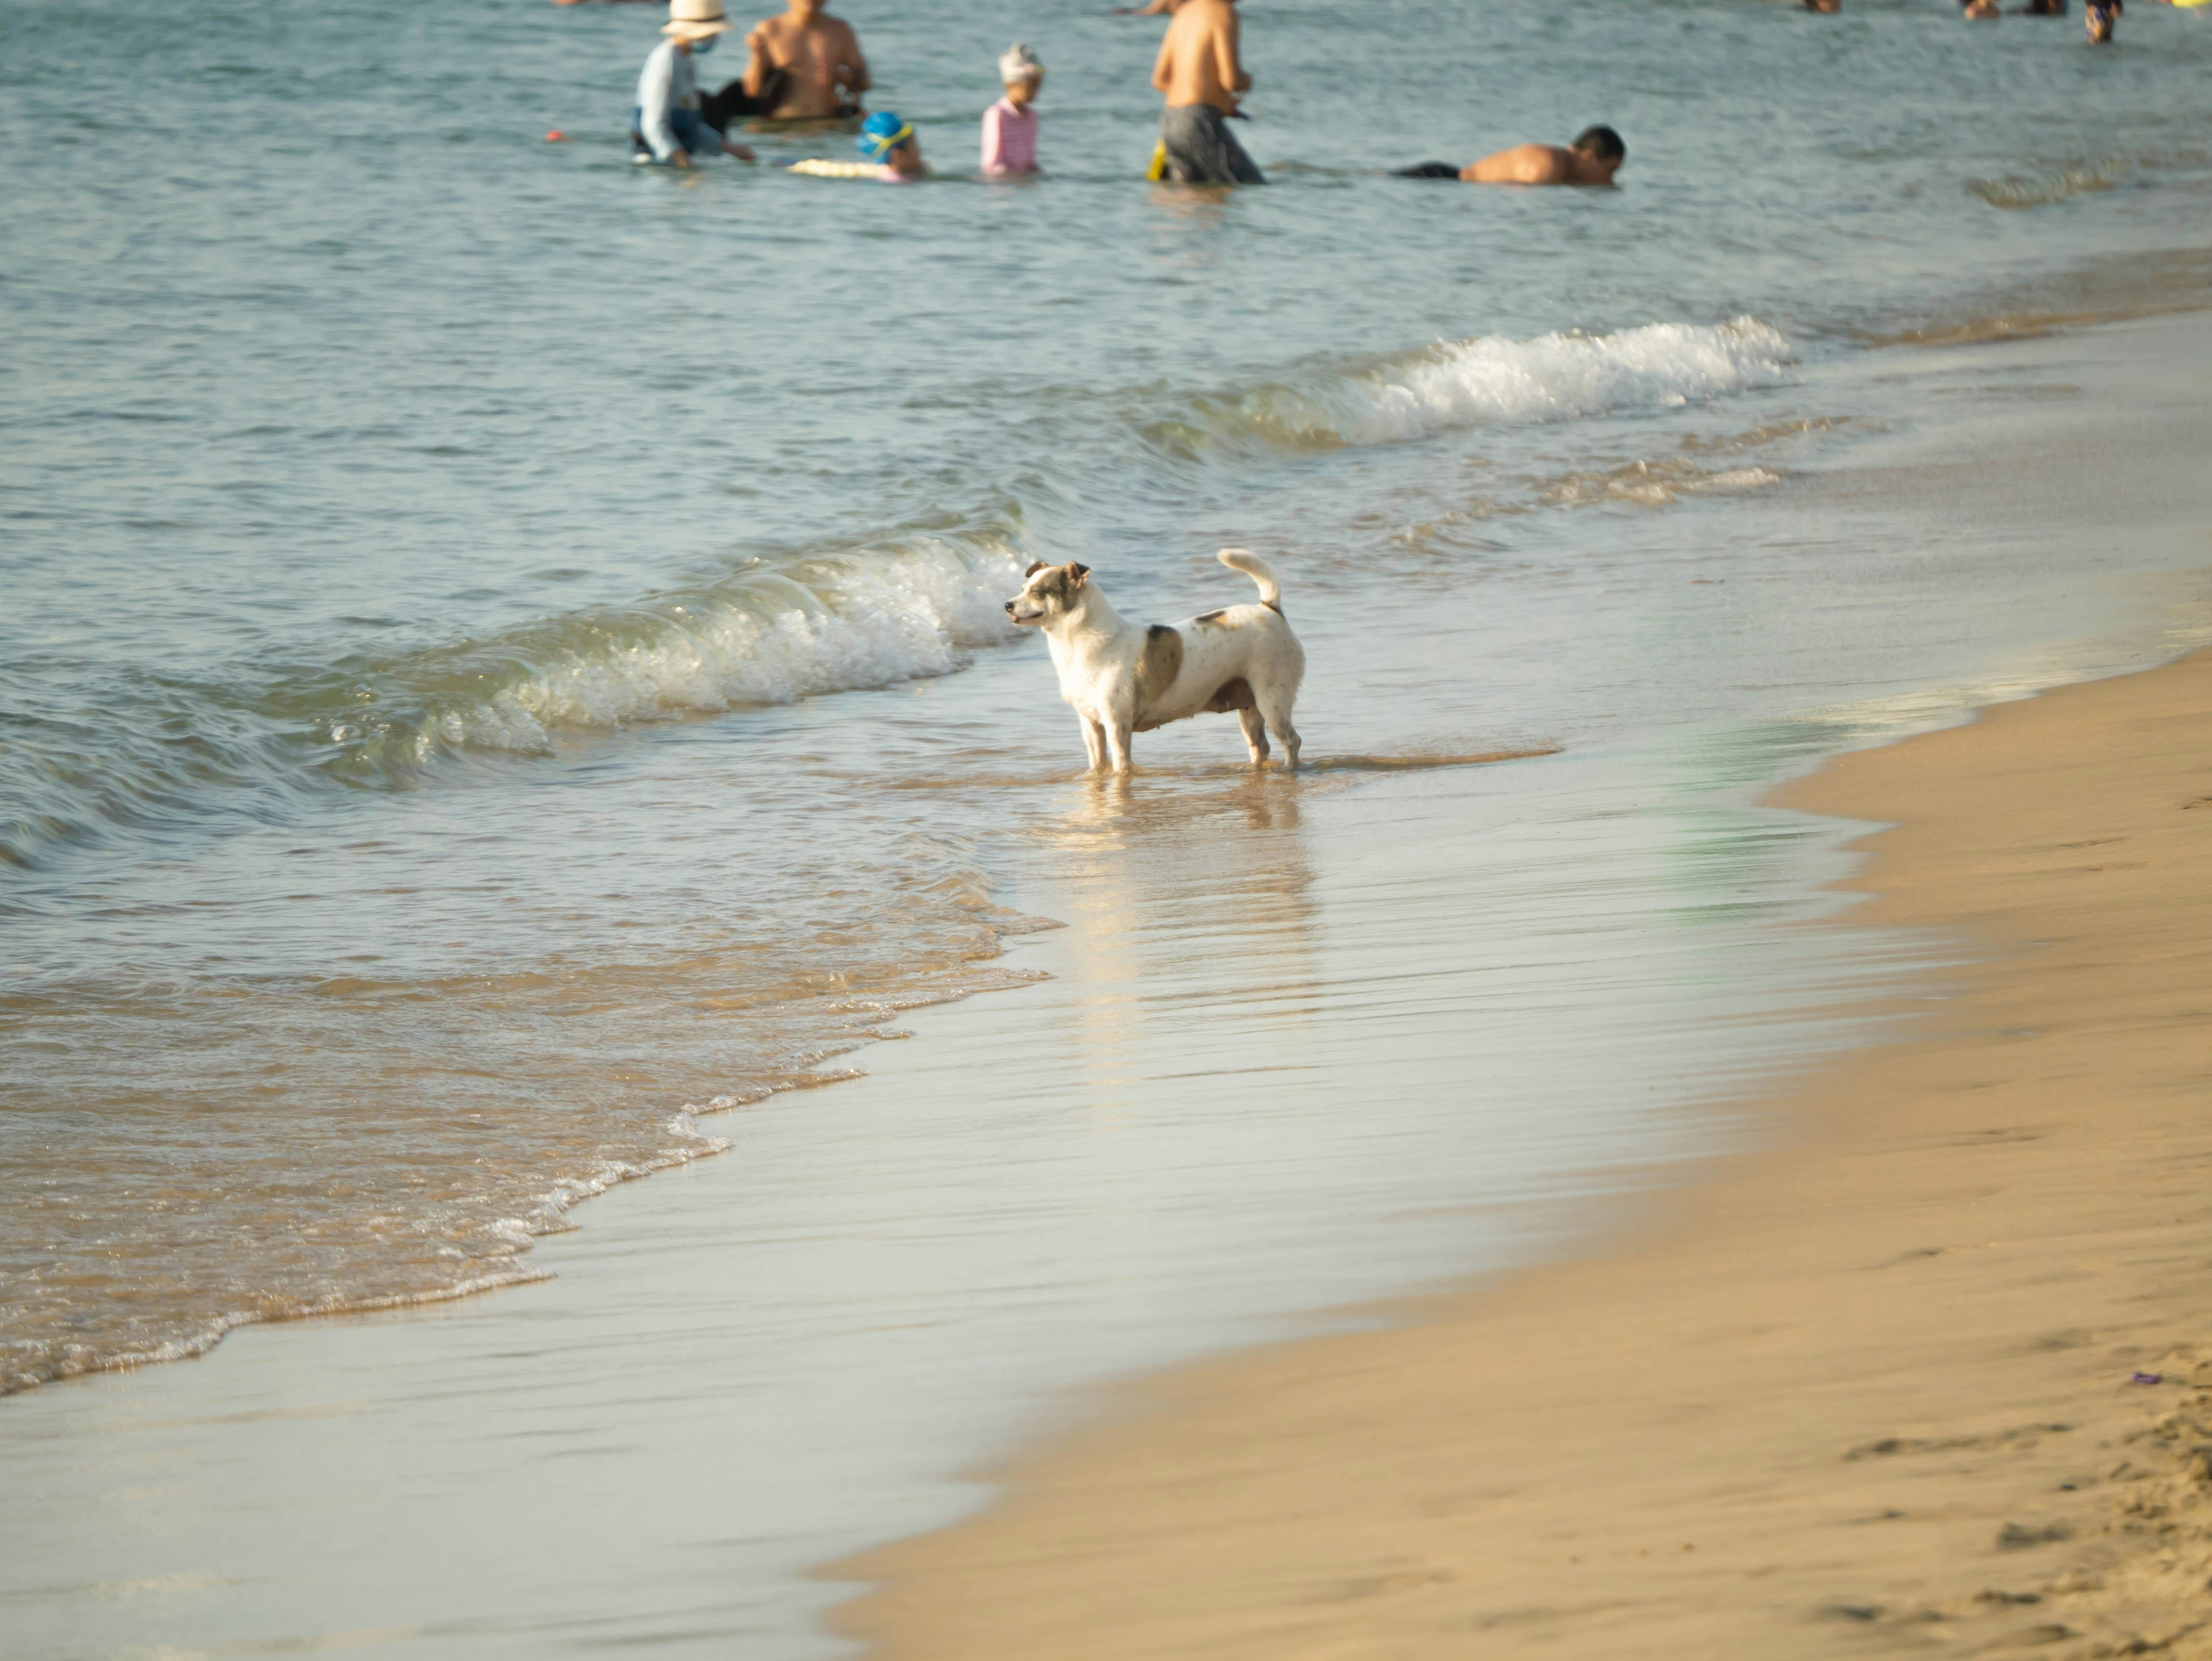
1883, 1390
757, 1363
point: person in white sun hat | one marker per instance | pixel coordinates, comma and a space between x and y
666, 126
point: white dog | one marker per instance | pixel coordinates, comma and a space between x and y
1123, 678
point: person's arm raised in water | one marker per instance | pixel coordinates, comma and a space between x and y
757, 63
855, 66
762, 63
1227, 41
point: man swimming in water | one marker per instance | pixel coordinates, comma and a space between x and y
1593, 159
1201, 73
807, 64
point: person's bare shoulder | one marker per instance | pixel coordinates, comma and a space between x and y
1217, 18
1523, 164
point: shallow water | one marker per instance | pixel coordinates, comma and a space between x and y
500, 649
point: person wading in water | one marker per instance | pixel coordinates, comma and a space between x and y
1201, 72
667, 124
807, 66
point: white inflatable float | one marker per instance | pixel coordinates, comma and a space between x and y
815, 166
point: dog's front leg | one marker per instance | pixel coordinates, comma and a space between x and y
1117, 742
1094, 741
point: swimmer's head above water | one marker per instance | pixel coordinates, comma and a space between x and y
884, 138
1593, 159
1601, 141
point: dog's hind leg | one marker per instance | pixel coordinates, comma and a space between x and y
1275, 706
1255, 735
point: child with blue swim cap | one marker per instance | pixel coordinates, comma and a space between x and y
888, 141
894, 154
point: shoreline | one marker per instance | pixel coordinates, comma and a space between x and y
760, 1364
1866, 1391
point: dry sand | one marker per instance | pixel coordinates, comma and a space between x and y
1870, 1393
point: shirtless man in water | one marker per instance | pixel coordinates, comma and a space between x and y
1201, 73
817, 57
1593, 159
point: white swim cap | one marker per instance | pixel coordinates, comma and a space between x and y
1018, 63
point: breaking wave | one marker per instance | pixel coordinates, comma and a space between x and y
840, 619
1487, 382
771, 632
2041, 191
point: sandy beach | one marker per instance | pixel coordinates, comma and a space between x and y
1936, 1375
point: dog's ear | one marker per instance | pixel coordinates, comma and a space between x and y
1035, 566
1076, 574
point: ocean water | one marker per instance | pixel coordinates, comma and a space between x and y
500, 653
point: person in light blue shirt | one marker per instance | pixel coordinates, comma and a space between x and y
666, 126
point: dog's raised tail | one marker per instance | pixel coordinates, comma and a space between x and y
1244, 560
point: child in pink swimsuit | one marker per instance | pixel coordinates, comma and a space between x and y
1010, 126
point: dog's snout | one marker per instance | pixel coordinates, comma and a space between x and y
1010, 608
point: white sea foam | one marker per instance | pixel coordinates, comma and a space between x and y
1562, 376
72, 1361
2041, 191
1495, 381
768, 634
514, 1238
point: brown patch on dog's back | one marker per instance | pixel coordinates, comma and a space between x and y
1231, 695
1210, 616
1161, 662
